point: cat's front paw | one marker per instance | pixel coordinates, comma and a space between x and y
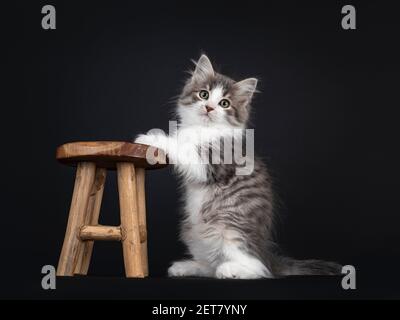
147, 139
234, 270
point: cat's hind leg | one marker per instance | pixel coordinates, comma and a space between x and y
187, 268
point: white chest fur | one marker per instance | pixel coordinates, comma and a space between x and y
195, 196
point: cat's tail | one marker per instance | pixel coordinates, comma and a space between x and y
285, 266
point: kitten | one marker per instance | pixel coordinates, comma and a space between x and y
228, 217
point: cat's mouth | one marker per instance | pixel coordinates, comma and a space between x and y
207, 116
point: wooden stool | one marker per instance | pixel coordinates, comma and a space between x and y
92, 160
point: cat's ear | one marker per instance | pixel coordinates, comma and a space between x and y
246, 88
203, 69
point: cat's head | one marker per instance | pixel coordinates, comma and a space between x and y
212, 99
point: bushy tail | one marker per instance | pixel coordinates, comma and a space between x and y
285, 266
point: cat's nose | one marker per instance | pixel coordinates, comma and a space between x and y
209, 109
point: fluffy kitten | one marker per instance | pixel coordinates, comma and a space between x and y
228, 217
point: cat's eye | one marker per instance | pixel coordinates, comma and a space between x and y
224, 103
203, 94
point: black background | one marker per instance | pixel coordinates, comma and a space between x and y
326, 123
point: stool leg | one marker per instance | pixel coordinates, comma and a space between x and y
91, 219
129, 220
141, 201
85, 175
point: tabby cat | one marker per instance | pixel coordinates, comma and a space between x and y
228, 215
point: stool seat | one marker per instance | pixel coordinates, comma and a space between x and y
107, 153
